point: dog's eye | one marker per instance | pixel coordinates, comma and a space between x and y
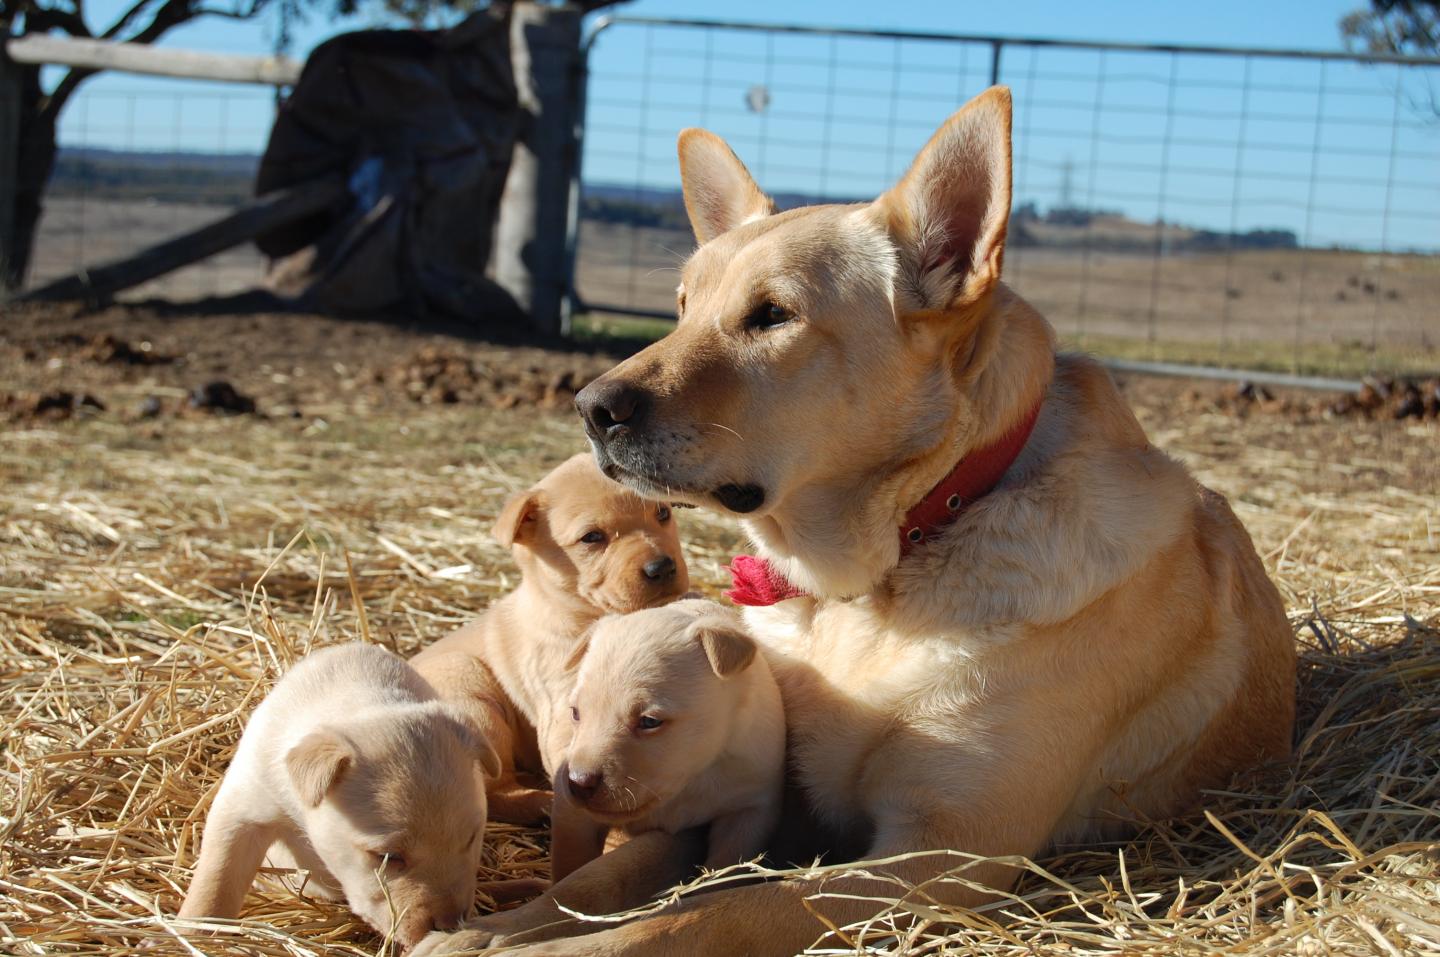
389, 860
574, 714
593, 537
767, 316
648, 722
663, 514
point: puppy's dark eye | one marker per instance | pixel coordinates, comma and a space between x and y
648, 722
663, 514
767, 316
593, 537
574, 714
389, 860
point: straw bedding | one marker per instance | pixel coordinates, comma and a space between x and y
154, 584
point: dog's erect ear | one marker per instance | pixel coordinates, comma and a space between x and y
316, 764
728, 647
950, 211
719, 191
472, 739
516, 521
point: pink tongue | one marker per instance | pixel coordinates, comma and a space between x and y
756, 583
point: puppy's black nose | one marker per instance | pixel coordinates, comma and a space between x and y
660, 569
583, 784
604, 404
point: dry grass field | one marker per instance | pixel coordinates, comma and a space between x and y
160, 567
79, 232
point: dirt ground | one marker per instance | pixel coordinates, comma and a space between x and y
1322, 311
162, 561
152, 360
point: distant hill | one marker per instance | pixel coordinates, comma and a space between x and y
227, 179
1057, 228
221, 179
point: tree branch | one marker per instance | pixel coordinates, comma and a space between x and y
116, 28
170, 15
223, 14
45, 19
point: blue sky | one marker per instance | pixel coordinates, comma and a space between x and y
1297, 23
1356, 164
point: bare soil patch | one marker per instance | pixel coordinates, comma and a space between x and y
144, 360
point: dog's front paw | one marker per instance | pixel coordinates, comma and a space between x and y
473, 940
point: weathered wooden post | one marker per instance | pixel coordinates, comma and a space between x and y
530, 241
9, 152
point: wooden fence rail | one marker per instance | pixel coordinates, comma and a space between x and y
153, 61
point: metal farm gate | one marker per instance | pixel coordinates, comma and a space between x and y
1217, 207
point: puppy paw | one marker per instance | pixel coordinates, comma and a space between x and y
472, 941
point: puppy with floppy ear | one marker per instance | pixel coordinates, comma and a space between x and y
354, 770
677, 723
586, 547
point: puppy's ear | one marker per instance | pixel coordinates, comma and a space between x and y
950, 211
472, 740
728, 647
317, 763
719, 191
516, 521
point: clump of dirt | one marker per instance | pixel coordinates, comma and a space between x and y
437, 375
107, 349
222, 398
48, 406
1391, 399
1378, 398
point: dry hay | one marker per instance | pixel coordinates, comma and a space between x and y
152, 588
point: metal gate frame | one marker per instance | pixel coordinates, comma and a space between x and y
997, 45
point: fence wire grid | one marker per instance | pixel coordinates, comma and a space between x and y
1265, 209
141, 162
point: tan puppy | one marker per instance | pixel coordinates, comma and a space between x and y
586, 547
677, 724
1092, 641
356, 772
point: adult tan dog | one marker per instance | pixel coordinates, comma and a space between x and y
1093, 640
586, 547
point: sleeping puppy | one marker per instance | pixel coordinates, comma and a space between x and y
586, 547
677, 724
354, 770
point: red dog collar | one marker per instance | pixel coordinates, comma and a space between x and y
757, 583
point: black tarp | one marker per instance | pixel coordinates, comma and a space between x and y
420, 125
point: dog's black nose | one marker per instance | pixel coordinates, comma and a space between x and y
583, 784
604, 404
660, 569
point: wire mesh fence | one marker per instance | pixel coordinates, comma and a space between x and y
141, 162
1252, 209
